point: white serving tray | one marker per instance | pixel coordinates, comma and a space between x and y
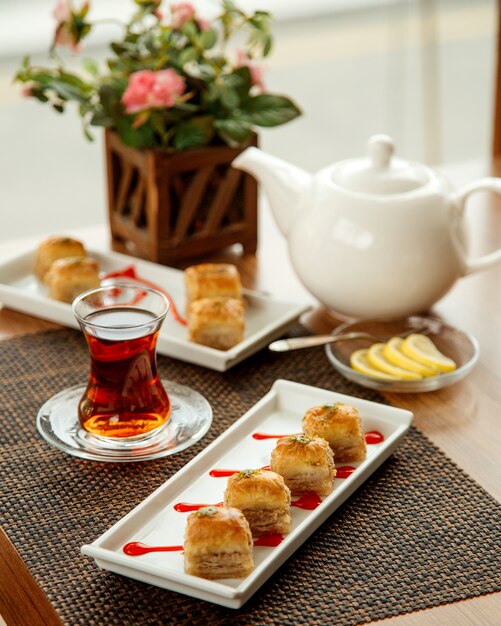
155, 522
266, 318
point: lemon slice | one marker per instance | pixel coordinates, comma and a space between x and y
376, 358
393, 353
359, 362
421, 348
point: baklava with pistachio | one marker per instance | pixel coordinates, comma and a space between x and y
263, 498
218, 544
306, 464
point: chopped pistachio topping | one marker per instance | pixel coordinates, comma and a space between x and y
303, 439
247, 473
332, 408
207, 511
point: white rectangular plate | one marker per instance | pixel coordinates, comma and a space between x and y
155, 522
266, 318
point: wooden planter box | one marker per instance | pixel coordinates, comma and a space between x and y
164, 207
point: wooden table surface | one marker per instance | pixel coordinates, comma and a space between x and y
463, 420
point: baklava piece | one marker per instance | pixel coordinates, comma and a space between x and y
53, 249
306, 464
340, 424
68, 278
211, 280
216, 322
218, 544
263, 498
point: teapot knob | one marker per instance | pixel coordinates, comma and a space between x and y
380, 149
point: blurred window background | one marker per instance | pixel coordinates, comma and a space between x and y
421, 71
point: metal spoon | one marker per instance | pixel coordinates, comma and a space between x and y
295, 343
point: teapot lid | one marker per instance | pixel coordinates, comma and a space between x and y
380, 173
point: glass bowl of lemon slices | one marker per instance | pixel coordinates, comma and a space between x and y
415, 354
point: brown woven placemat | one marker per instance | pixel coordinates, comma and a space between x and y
417, 534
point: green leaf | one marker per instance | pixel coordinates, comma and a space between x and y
189, 29
39, 95
84, 9
91, 66
158, 123
194, 133
110, 95
25, 63
67, 92
151, 46
42, 77
141, 119
260, 42
202, 71
185, 108
235, 79
267, 45
134, 137
260, 21
268, 110
240, 81
229, 98
213, 93
118, 65
75, 81
188, 55
99, 118
131, 37
88, 134
208, 39
233, 132
119, 48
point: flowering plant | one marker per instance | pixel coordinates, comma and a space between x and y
171, 83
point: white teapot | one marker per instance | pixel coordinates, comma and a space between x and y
376, 237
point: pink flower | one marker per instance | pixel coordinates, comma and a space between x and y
67, 32
256, 70
181, 13
203, 25
62, 11
148, 90
64, 37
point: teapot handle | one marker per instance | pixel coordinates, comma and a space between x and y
484, 184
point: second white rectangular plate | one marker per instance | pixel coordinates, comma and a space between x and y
266, 318
155, 522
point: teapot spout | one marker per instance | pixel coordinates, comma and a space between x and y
283, 183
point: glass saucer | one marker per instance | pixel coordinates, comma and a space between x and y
190, 419
456, 344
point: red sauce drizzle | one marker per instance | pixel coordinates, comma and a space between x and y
308, 501
186, 507
223, 473
345, 471
136, 548
260, 436
270, 540
130, 272
371, 437
374, 436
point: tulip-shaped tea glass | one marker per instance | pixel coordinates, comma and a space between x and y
125, 398
126, 412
